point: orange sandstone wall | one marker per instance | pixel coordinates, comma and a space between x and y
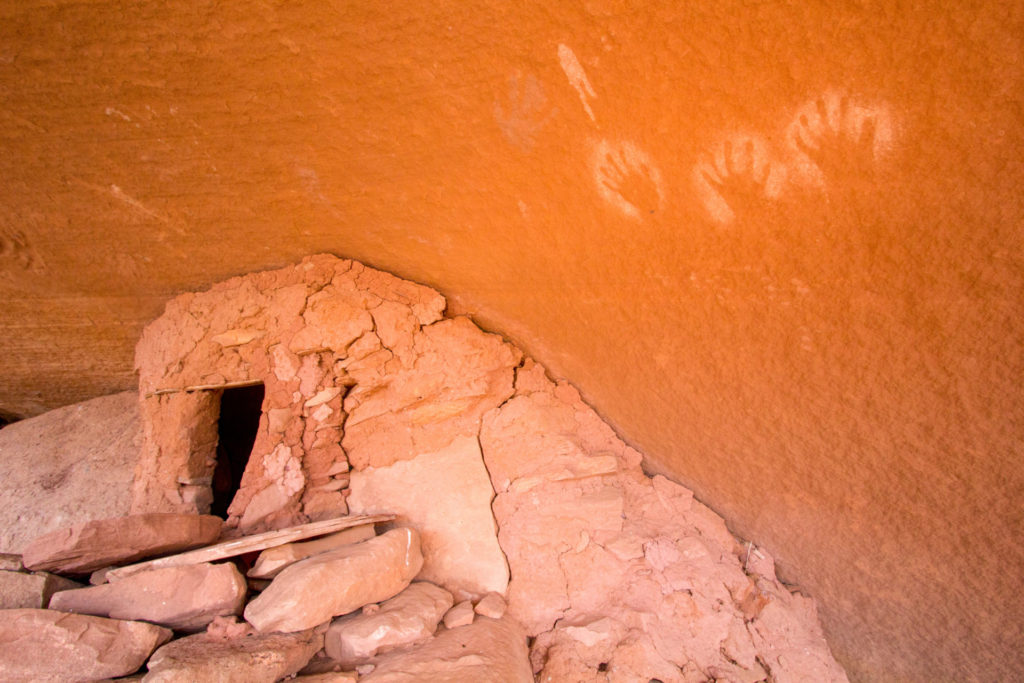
778, 245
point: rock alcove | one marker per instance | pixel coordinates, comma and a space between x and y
348, 392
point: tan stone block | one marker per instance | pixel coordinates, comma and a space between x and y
257, 658
46, 645
272, 560
487, 650
337, 582
21, 589
119, 540
182, 598
446, 496
410, 616
459, 615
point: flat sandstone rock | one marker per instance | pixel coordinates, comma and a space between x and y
254, 658
338, 582
19, 589
410, 616
53, 465
487, 651
446, 496
182, 598
101, 543
272, 560
44, 645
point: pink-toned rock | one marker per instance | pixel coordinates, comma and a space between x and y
119, 540
491, 605
11, 562
45, 645
20, 589
416, 402
272, 560
460, 615
538, 527
53, 465
182, 598
410, 616
788, 638
337, 582
258, 658
486, 651
330, 677
446, 496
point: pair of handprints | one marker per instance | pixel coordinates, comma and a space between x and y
831, 141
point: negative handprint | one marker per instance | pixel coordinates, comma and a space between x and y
841, 139
626, 177
737, 179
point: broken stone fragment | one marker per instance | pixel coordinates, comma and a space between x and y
271, 561
18, 589
446, 496
330, 677
491, 605
45, 645
460, 615
410, 616
10, 562
119, 540
258, 658
182, 598
314, 590
488, 650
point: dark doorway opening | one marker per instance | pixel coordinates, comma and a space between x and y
240, 410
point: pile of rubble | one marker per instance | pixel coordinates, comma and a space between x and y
502, 486
341, 607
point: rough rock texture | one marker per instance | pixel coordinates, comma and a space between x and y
52, 466
253, 658
446, 496
612, 567
372, 396
11, 562
830, 358
308, 333
119, 540
487, 651
461, 614
272, 560
181, 598
338, 582
491, 605
410, 616
44, 645
20, 589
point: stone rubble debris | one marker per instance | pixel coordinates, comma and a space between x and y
253, 658
315, 590
486, 651
23, 589
119, 540
409, 617
272, 560
491, 605
502, 491
46, 645
459, 615
180, 598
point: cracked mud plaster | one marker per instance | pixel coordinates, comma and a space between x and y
372, 395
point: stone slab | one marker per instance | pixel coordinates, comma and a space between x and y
446, 496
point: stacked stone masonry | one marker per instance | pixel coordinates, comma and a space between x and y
524, 507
